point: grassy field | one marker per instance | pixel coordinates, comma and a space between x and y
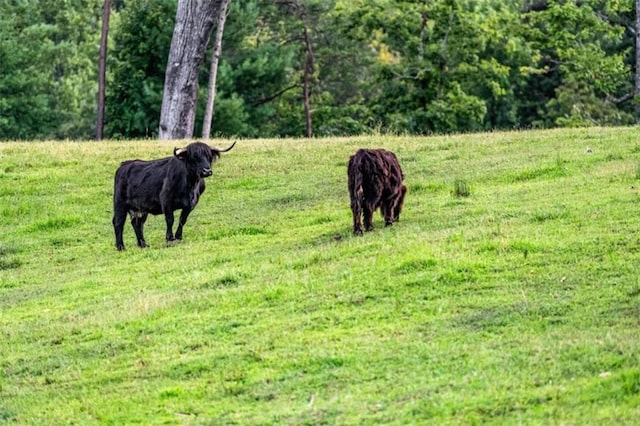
516, 304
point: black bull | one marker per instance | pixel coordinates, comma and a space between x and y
375, 180
161, 187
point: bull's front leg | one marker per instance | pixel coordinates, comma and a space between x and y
399, 203
168, 216
184, 215
387, 209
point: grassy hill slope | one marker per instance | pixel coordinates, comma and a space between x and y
519, 303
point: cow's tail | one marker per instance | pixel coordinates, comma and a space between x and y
119, 205
355, 178
356, 192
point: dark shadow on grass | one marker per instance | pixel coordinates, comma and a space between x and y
8, 259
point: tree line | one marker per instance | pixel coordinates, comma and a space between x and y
321, 67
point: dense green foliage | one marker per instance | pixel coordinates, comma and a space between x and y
392, 66
508, 293
134, 98
48, 61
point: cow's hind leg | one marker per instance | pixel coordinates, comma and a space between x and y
356, 210
357, 223
119, 219
368, 216
137, 221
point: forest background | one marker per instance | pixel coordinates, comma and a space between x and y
401, 67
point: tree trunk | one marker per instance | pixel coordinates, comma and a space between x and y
102, 68
306, 80
636, 89
213, 72
194, 23
298, 9
422, 82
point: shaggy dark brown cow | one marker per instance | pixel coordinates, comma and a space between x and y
161, 187
375, 180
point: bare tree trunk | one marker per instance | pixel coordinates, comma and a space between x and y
194, 23
102, 68
213, 71
298, 9
636, 88
306, 79
422, 81
423, 36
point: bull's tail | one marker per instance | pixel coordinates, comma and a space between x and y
119, 206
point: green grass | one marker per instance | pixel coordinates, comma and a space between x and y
518, 303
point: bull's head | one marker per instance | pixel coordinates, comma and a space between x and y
199, 157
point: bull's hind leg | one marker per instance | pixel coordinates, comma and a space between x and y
119, 219
137, 221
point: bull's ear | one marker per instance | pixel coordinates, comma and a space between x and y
180, 153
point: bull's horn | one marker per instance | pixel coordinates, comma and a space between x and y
179, 151
228, 149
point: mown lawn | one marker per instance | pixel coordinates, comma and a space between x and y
516, 304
